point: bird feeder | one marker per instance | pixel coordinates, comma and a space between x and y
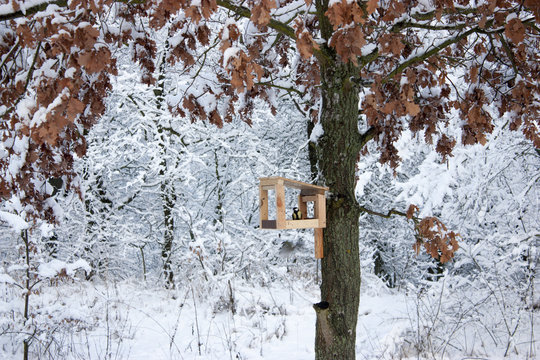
308, 193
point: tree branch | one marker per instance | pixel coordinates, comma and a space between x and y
366, 137
457, 10
28, 78
32, 10
445, 44
288, 89
510, 55
427, 54
245, 12
406, 25
280, 27
388, 214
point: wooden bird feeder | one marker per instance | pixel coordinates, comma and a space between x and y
308, 193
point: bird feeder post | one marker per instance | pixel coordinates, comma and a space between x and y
302, 205
320, 210
308, 193
320, 213
263, 205
319, 248
280, 204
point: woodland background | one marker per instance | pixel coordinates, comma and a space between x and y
154, 251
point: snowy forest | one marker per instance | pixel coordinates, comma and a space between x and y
133, 134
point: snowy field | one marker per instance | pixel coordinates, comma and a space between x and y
275, 321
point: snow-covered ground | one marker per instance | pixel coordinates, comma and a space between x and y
136, 320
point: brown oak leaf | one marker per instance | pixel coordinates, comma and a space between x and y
372, 6
515, 31
411, 210
260, 14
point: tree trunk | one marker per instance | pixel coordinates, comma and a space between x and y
167, 189
338, 150
27, 292
169, 199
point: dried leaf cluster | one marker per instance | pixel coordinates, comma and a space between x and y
433, 236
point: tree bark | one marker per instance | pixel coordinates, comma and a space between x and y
167, 189
168, 198
338, 151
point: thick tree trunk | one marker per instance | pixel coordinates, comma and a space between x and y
337, 154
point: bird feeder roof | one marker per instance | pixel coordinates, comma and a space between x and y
268, 183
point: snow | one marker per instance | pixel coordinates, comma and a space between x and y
368, 48
271, 322
363, 179
332, 2
14, 221
56, 267
25, 107
228, 54
6, 9
20, 147
316, 133
70, 72
511, 16
47, 230
5, 278
135, 320
490, 195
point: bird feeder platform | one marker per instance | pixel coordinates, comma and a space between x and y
308, 193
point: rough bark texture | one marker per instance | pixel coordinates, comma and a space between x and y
337, 154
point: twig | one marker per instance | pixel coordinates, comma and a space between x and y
196, 321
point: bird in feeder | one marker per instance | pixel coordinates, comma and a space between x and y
297, 214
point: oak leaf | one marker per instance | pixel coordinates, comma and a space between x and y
411, 210
260, 14
391, 44
345, 13
395, 10
438, 242
94, 61
208, 8
193, 13
372, 6
482, 22
86, 37
348, 43
74, 108
534, 6
412, 108
474, 74
304, 41
515, 31
445, 145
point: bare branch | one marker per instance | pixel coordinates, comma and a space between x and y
32, 10
383, 215
288, 89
